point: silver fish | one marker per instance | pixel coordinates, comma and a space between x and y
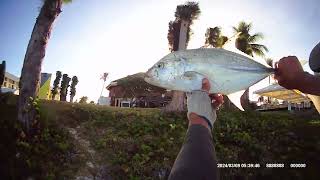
229, 73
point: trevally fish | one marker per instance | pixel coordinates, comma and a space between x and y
229, 73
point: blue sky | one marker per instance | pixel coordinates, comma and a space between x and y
125, 37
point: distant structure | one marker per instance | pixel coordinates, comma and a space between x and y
290, 99
44, 91
150, 98
10, 83
104, 101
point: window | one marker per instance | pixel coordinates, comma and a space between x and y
5, 78
125, 104
12, 86
5, 84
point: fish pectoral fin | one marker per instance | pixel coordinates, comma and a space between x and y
193, 75
235, 99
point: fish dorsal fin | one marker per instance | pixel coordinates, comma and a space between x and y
235, 99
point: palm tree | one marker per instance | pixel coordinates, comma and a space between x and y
247, 43
2, 73
36, 50
214, 37
178, 37
269, 61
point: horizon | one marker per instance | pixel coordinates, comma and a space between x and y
108, 36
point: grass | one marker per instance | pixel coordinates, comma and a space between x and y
143, 143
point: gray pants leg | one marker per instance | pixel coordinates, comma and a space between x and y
197, 158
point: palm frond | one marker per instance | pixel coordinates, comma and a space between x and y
258, 52
67, 1
259, 46
188, 11
244, 27
259, 49
222, 40
256, 37
235, 29
214, 37
173, 35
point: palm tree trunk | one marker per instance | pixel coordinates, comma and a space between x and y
177, 102
245, 100
30, 75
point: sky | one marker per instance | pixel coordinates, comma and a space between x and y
124, 37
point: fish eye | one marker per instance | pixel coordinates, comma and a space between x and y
161, 65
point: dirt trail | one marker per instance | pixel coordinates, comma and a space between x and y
92, 169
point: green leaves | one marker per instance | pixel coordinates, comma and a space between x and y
188, 11
214, 37
143, 143
246, 42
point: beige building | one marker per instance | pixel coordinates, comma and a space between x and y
10, 83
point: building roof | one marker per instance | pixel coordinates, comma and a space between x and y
11, 76
279, 92
114, 83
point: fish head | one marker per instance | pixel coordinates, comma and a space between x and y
166, 72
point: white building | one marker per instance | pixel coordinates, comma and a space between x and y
104, 101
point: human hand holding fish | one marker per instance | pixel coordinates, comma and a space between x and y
228, 72
202, 106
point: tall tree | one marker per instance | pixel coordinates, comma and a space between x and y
56, 83
247, 43
214, 38
36, 50
2, 73
64, 87
269, 61
73, 87
178, 37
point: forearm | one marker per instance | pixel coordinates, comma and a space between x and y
196, 159
309, 84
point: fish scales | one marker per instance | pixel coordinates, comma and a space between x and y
228, 72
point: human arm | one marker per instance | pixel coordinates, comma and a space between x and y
290, 75
197, 159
